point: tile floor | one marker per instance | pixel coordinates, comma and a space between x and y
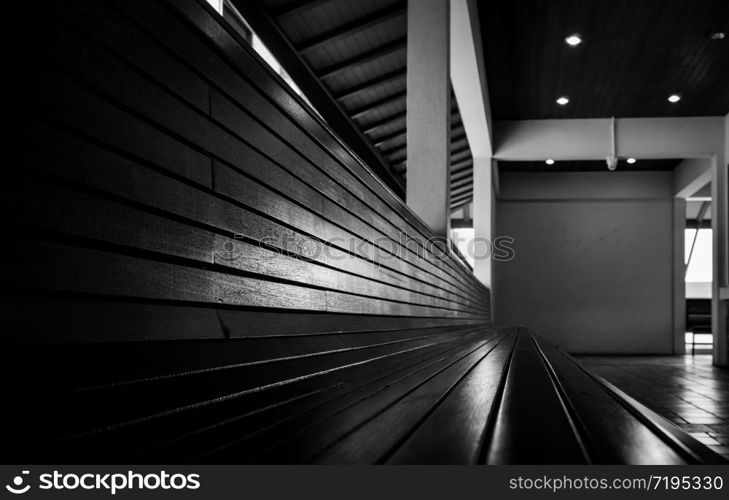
688, 390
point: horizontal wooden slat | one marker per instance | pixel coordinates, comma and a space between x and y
518, 437
55, 208
453, 432
201, 268
56, 153
615, 435
233, 85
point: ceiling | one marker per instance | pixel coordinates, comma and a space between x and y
586, 166
634, 54
353, 56
349, 58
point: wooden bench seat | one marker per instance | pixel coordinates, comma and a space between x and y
202, 271
462, 395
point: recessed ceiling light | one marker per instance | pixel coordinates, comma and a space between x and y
549, 161
719, 35
562, 101
674, 98
573, 40
631, 160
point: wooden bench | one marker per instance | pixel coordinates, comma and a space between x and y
202, 271
441, 395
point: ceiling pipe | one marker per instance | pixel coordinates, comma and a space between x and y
612, 159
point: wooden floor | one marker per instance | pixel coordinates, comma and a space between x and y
687, 390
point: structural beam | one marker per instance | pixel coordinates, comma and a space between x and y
429, 113
720, 240
679, 273
469, 76
388, 137
364, 58
483, 216
335, 116
470, 87
387, 120
373, 106
690, 176
393, 76
353, 28
589, 139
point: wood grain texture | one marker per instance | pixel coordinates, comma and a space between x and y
201, 270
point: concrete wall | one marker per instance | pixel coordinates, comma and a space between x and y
594, 259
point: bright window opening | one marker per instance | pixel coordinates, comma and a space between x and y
463, 238
229, 12
699, 271
698, 257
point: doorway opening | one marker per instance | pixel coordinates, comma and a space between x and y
698, 275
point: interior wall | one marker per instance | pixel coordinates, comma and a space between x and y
593, 269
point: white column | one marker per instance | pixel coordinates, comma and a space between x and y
679, 276
720, 231
471, 88
482, 217
428, 113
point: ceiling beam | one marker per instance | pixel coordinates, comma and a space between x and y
368, 108
456, 167
393, 150
364, 58
461, 203
354, 27
590, 139
455, 193
295, 8
463, 181
317, 93
466, 173
378, 141
368, 129
461, 154
461, 200
392, 76
462, 149
398, 157
690, 176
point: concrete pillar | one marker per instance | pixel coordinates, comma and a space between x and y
719, 219
428, 113
679, 276
483, 221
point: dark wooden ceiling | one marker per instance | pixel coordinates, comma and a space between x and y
356, 52
635, 53
587, 166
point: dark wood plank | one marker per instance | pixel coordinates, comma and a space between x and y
307, 439
374, 441
236, 54
62, 155
454, 431
62, 321
242, 435
167, 406
518, 437
261, 197
615, 436
54, 208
